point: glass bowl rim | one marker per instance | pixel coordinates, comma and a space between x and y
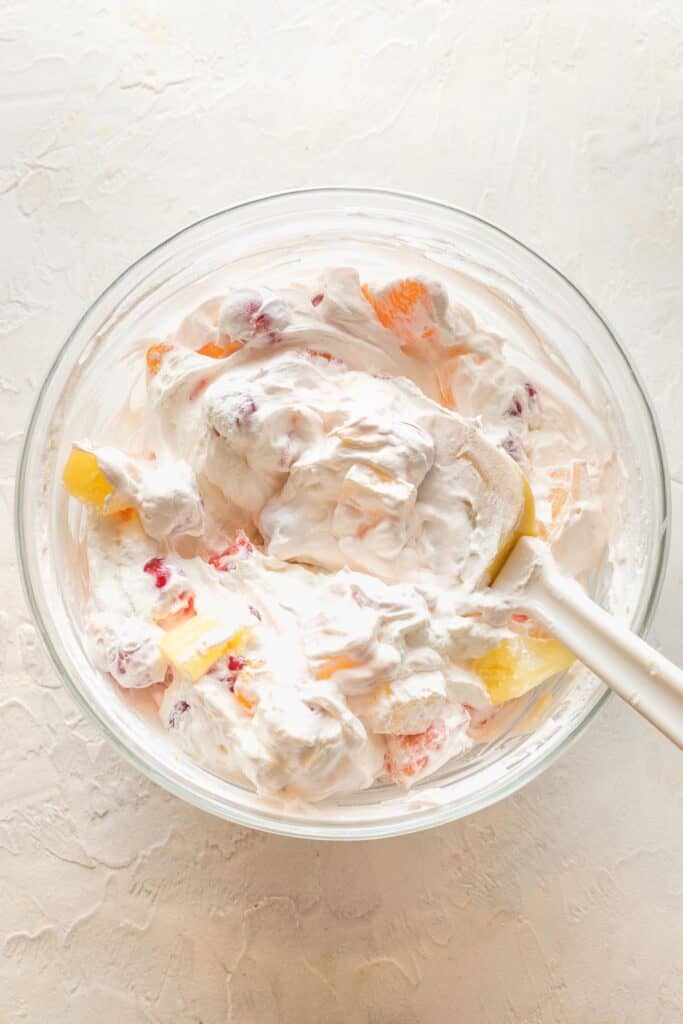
275, 823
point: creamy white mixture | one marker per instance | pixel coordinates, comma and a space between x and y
321, 495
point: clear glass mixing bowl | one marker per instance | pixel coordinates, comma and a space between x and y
275, 240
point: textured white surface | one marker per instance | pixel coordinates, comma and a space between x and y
561, 121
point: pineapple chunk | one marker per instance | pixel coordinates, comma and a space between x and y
84, 480
196, 644
526, 527
516, 666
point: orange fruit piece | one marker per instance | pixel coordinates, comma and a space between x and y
233, 346
397, 301
212, 350
215, 351
568, 483
244, 701
405, 309
407, 755
445, 390
335, 664
154, 355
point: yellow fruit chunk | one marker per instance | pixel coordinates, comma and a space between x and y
84, 480
516, 666
194, 646
526, 527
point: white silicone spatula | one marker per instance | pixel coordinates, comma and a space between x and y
526, 577
524, 574
650, 683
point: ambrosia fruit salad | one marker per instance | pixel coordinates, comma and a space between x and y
290, 544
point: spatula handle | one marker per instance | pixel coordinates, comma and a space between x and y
650, 683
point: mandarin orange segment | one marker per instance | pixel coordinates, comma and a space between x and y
126, 515
445, 390
233, 346
244, 701
215, 351
154, 355
405, 309
212, 350
567, 484
397, 303
335, 664
444, 373
406, 756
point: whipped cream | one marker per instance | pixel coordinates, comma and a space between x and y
329, 482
